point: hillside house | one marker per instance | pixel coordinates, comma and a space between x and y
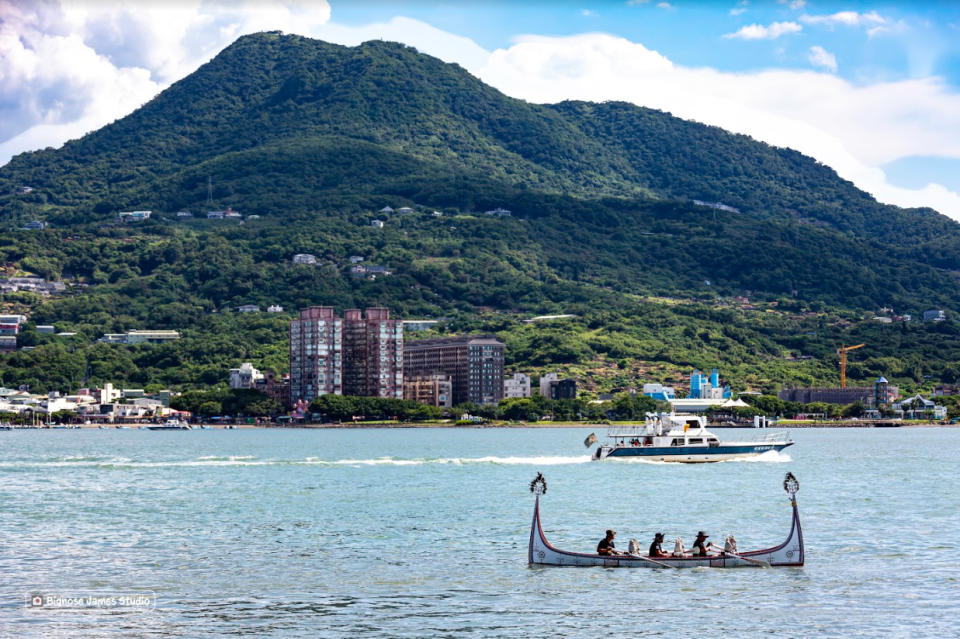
304, 258
377, 224
934, 315
128, 217
248, 308
370, 271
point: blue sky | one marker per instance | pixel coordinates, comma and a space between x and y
871, 89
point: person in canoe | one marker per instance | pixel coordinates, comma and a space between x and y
699, 549
656, 550
606, 547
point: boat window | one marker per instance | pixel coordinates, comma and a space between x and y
677, 442
696, 441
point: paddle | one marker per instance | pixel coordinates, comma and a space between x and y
654, 561
758, 562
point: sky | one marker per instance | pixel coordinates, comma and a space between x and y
870, 89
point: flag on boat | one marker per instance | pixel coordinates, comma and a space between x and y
590, 440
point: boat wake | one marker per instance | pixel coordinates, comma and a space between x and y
250, 460
769, 457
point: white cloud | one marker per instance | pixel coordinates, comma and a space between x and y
760, 32
737, 11
845, 18
664, 5
75, 66
820, 57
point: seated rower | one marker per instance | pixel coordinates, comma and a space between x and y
699, 549
606, 547
656, 550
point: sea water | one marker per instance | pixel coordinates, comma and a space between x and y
423, 532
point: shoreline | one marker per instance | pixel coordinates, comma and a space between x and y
395, 425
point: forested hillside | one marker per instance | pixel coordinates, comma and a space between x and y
316, 138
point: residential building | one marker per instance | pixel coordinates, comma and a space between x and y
934, 315
917, 407
276, 387
474, 364
8, 342
555, 388
45, 328
404, 210
516, 386
35, 225
248, 308
372, 354
133, 216
369, 271
140, 337
377, 224
435, 390
244, 377
304, 258
184, 214
215, 215
13, 319
274, 308
315, 354
545, 383
356, 259
386, 210
563, 389
152, 337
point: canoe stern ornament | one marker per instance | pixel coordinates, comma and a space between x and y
539, 485
791, 485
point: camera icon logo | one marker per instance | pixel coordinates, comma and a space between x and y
36, 601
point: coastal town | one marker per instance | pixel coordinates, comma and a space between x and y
369, 354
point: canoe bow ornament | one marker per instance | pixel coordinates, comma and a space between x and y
791, 485
538, 485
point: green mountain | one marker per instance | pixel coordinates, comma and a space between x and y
316, 138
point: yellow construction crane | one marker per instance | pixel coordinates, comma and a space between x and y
843, 350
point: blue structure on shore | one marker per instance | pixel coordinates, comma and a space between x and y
703, 388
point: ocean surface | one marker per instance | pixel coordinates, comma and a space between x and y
423, 532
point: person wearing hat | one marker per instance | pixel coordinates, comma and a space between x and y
655, 549
606, 547
699, 550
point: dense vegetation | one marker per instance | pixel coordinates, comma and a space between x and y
316, 138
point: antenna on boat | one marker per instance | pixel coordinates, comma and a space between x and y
538, 485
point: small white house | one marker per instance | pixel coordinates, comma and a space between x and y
304, 258
274, 308
377, 224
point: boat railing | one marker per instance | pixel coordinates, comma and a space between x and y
627, 430
765, 438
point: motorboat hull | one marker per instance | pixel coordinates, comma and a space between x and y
690, 454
